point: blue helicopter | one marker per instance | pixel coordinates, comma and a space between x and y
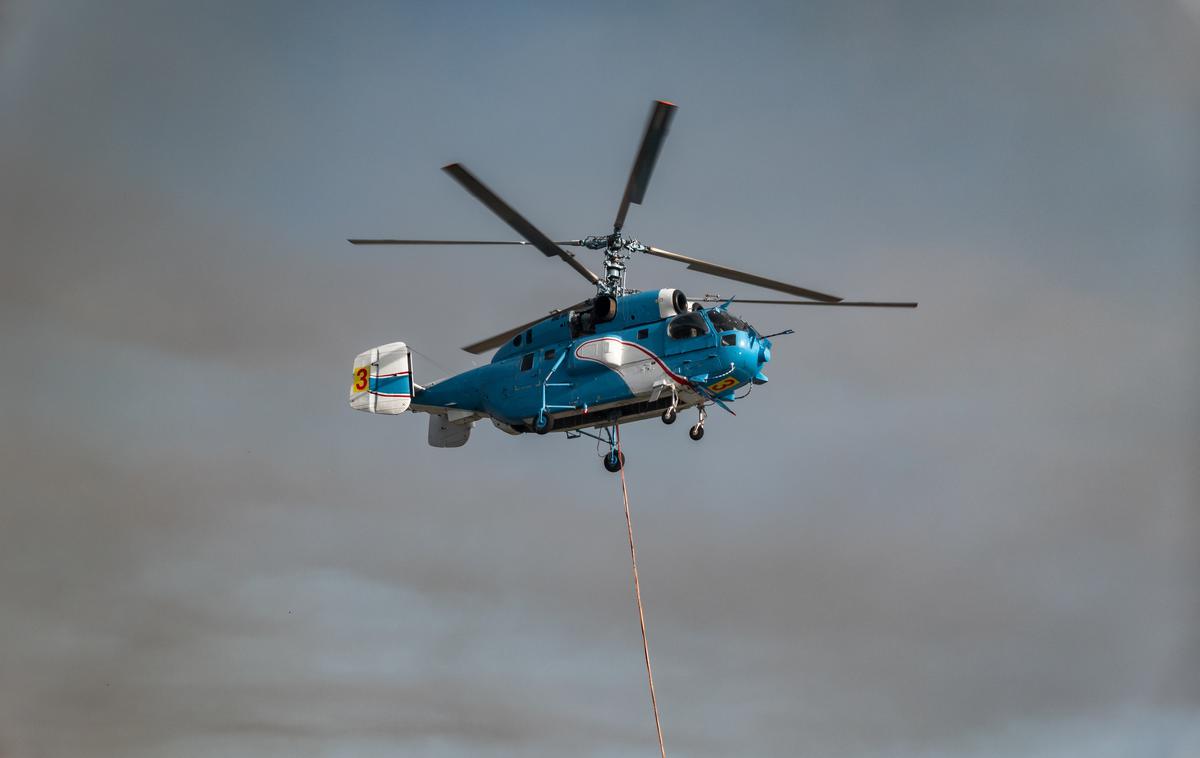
620, 356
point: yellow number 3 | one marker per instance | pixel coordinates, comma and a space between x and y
724, 384
362, 378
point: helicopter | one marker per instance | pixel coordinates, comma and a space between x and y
620, 356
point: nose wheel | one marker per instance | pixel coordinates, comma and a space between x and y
697, 431
672, 411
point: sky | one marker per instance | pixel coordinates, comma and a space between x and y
966, 530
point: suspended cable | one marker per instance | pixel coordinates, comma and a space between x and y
637, 593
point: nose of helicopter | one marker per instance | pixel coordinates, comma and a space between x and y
764, 355
746, 355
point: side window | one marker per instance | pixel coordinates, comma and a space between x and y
528, 336
687, 325
729, 339
516, 340
643, 334
526, 361
548, 355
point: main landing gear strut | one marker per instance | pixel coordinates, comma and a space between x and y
614, 459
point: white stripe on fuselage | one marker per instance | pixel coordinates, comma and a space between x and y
638, 367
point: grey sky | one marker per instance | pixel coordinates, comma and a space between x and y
969, 530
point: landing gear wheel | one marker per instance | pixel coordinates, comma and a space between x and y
669, 416
696, 432
614, 461
543, 423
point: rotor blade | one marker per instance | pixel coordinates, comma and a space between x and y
453, 242
497, 340
515, 220
843, 303
647, 155
435, 242
741, 276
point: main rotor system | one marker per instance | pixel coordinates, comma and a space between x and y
618, 247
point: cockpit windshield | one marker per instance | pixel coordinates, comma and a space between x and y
724, 321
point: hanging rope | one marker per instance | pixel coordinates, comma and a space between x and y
637, 593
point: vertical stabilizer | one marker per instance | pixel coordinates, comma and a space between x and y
382, 380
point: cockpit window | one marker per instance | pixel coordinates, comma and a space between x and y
687, 325
724, 321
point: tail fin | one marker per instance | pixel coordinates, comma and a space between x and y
383, 380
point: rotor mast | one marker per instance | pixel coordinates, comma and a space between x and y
617, 250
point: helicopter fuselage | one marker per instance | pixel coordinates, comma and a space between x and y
649, 354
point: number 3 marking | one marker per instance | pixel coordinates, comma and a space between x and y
362, 378
724, 384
